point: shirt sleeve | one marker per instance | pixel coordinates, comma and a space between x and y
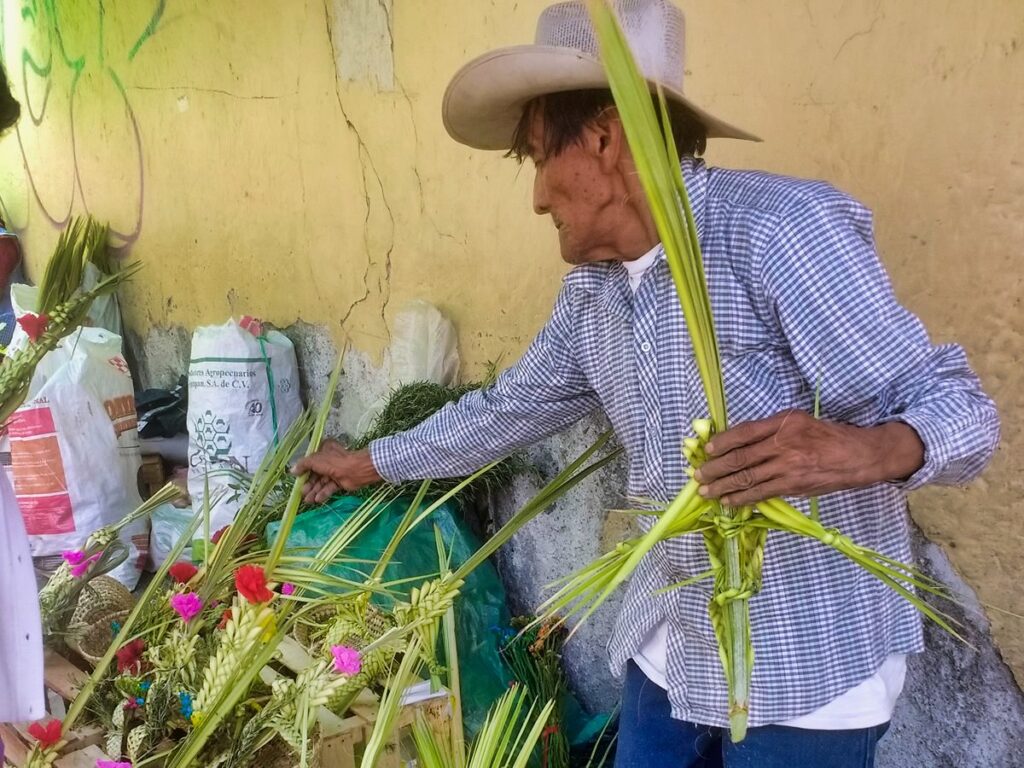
543, 393
835, 305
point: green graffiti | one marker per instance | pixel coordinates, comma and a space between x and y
62, 42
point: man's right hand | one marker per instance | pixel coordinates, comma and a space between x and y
334, 468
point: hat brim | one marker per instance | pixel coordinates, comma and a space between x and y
484, 100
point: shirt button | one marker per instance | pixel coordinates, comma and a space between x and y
645, 347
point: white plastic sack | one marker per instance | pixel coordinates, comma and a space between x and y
75, 450
104, 312
243, 392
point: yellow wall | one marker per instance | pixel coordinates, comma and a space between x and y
221, 142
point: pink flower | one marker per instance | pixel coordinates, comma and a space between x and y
112, 764
187, 605
78, 561
73, 556
287, 589
346, 660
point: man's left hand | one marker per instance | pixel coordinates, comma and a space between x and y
794, 454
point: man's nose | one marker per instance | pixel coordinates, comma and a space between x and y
540, 194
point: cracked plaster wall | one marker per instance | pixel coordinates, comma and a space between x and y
260, 161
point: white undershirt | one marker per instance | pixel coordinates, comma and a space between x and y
870, 703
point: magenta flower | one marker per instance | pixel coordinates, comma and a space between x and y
346, 660
78, 561
112, 764
287, 589
73, 556
187, 605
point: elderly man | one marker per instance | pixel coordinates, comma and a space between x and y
798, 292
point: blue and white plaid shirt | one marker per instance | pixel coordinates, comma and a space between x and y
796, 290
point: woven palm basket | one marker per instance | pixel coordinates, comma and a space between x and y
103, 603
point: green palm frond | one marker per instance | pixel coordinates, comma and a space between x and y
507, 739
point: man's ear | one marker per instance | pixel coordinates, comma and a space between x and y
609, 139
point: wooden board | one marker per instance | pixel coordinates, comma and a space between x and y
342, 744
63, 682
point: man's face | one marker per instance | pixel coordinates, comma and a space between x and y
576, 190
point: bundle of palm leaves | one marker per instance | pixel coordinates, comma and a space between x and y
409, 405
534, 654
507, 740
62, 304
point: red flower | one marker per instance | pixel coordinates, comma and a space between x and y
129, 656
251, 582
182, 573
249, 538
47, 735
33, 325
224, 619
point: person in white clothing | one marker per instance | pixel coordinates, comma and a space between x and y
21, 642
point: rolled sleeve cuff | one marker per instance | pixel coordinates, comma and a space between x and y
385, 453
936, 450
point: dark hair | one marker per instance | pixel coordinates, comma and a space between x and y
566, 114
10, 110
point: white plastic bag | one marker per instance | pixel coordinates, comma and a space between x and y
104, 312
424, 347
243, 392
169, 524
75, 450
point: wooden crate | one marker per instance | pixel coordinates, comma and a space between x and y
341, 740
63, 682
152, 474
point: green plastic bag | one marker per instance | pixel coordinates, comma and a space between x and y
484, 676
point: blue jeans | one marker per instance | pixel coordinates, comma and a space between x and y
650, 738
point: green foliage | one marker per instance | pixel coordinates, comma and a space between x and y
411, 404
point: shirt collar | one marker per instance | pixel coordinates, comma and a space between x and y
609, 277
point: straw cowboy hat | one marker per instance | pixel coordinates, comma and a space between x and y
484, 101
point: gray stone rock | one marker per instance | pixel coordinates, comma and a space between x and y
575, 530
961, 707
161, 357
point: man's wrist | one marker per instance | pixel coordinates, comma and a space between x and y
899, 452
363, 470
